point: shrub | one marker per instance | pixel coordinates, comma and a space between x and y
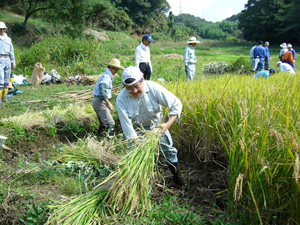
215, 68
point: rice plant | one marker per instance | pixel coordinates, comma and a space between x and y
127, 190
253, 125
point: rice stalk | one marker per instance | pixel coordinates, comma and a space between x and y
90, 151
28, 120
125, 191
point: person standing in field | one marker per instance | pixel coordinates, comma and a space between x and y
288, 58
252, 59
102, 94
7, 61
267, 57
143, 58
190, 59
265, 73
290, 48
285, 67
259, 53
283, 50
140, 108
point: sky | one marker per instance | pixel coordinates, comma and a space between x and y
210, 10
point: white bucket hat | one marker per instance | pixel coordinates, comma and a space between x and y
193, 40
115, 63
283, 45
132, 72
2, 25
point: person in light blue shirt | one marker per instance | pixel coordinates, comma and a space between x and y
7, 61
190, 59
259, 53
267, 57
265, 73
139, 107
102, 95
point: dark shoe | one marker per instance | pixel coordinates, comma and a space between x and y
5, 99
101, 130
177, 178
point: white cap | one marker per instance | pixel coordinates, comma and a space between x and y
131, 72
279, 62
2, 25
289, 46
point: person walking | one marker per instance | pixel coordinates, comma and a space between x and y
267, 57
285, 67
190, 59
290, 48
7, 61
259, 53
140, 107
143, 58
102, 94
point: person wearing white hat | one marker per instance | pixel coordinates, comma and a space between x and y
283, 50
142, 56
285, 67
7, 61
190, 59
290, 48
140, 108
102, 94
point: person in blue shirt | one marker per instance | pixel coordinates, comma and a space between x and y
267, 57
259, 53
102, 94
265, 73
290, 48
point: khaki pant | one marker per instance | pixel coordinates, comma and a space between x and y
103, 113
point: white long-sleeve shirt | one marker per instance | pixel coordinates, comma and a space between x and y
147, 109
285, 67
142, 55
6, 48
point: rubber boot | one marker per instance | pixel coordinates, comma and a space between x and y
110, 131
1, 96
177, 178
4, 95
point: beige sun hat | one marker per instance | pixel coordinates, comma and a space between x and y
193, 40
2, 25
115, 63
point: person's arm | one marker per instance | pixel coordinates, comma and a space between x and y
12, 55
137, 56
165, 126
125, 121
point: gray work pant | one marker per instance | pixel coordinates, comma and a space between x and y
5, 70
103, 113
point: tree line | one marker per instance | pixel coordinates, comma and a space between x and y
272, 20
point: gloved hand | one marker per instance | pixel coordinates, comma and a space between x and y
186, 69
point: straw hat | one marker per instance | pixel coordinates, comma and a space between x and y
115, 63
283, 45
2, 25
193, 40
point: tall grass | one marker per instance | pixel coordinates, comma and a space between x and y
253, 124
